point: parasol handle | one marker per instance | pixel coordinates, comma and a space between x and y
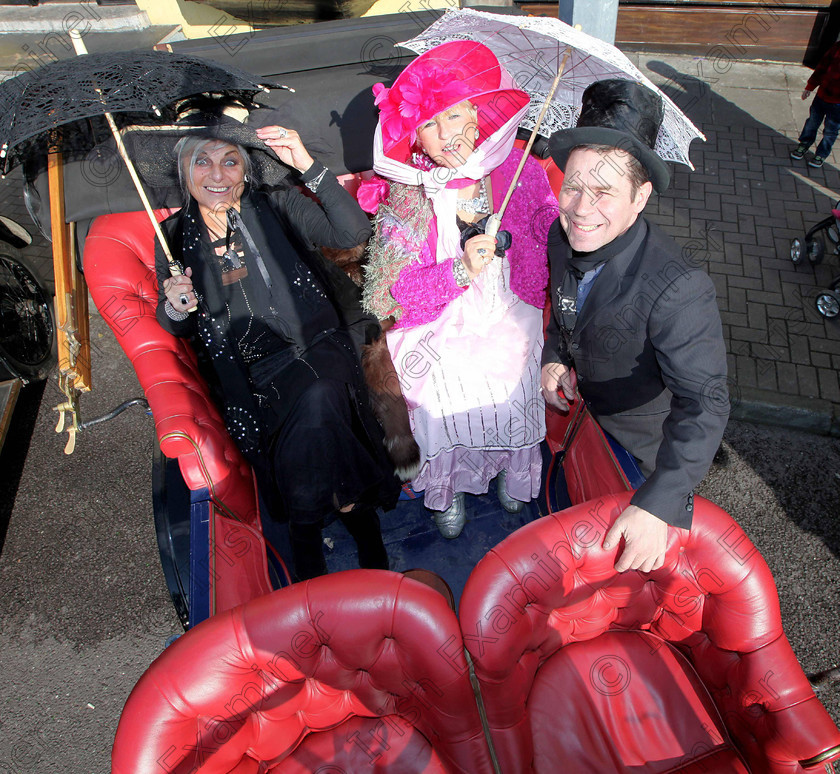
496, 219
174, 269
494, 222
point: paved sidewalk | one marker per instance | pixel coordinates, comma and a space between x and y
736, 215
59, 17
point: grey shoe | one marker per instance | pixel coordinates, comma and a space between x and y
816, 162
508, 503
451, 521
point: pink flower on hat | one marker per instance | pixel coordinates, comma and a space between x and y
419, 97
437, 80
389, 117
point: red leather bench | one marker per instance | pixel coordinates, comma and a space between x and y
685, 669
231, 567
581, 669
360, 671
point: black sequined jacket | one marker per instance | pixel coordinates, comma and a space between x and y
337, 222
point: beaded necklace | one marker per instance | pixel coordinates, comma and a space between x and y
478, 204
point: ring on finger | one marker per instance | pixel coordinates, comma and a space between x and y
183, 299
481, 251
281, 133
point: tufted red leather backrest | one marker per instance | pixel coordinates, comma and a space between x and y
248, 686
551, 583
119, 269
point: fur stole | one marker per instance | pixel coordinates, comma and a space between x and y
376, 271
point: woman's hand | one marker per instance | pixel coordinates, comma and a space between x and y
478, 252
179, 291
286, 143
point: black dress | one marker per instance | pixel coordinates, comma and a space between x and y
278, 332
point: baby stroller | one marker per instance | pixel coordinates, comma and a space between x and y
828, 301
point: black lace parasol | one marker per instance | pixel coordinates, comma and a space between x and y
76, 93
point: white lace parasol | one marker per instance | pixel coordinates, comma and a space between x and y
532, 48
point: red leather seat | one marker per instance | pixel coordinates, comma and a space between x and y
119, 269
685, 669
360, 671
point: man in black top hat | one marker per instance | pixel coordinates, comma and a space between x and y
634, 327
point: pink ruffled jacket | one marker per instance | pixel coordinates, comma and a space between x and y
424, 287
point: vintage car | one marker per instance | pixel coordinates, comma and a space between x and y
515, 648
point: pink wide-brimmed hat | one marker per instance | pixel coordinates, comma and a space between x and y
436, 81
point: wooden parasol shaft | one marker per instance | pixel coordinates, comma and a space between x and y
174, 269
495, 220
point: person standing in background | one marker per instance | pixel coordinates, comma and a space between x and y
826, 106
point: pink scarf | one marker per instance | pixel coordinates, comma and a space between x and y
441, 184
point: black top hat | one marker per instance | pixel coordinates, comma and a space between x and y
620, 113
153, 147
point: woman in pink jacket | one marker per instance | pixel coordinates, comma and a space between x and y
467, 337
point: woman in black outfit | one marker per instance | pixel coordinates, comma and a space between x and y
280, 328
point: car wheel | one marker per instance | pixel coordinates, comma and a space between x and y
796, 252
27, 325
828, 304
816, 250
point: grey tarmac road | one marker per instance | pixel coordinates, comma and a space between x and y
84, 608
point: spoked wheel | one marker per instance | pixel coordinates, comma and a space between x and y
816, 250
27, 327
797, 252
828, 304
